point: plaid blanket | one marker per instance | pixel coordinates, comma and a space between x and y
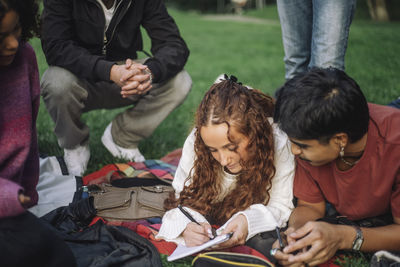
147, 169
164, 169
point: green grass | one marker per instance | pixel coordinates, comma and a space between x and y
269, 12
185, 262
252, 52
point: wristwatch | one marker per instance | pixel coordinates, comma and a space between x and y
147, 71
359, 240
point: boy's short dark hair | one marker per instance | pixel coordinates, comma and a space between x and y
320, 103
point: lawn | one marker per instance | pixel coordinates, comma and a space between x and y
253, 52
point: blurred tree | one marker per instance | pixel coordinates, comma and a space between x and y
378, 10
200, 5
219, 6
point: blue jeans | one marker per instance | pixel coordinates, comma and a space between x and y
395, 103
314, 33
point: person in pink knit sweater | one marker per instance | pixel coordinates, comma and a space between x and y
25, 240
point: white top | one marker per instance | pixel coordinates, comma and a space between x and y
108, 13
260, 218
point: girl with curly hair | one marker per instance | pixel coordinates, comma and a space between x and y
24, 239
236, 170
20, 22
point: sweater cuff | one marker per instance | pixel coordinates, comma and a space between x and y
9, 202
174, 223
259, 221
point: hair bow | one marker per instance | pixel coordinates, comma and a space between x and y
231, 79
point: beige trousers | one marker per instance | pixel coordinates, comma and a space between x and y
66, 97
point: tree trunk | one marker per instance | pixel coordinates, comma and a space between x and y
260, 4
378, 10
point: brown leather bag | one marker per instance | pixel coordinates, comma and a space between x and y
132, 203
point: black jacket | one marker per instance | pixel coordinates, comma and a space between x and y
73, 37
100, 244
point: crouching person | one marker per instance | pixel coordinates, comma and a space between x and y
91, 48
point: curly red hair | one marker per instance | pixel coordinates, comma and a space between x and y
248, 110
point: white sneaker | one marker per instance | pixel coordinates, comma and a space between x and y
77, 159
130, 154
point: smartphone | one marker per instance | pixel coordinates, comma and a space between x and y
281, 238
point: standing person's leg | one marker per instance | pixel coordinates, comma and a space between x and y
331, 25
139, 122
26, 241
296, 23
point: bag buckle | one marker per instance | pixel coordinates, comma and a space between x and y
158, 188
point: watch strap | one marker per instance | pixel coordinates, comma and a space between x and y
358, 240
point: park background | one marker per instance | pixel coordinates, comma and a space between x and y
249, 46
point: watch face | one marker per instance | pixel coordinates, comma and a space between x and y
357, 244
358, 241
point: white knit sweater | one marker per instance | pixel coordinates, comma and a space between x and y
260, 217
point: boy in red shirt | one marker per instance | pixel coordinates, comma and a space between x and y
348, 155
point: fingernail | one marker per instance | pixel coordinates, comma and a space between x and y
209, 233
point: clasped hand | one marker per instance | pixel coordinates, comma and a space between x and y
311, 244
132, 77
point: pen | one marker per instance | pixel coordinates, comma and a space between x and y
278, 232
187, 214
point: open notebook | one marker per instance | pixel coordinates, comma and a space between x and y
183, 251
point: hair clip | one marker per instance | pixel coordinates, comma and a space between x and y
232, 79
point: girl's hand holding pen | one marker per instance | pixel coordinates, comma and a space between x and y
196, 234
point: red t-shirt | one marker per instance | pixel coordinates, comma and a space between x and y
372, 186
